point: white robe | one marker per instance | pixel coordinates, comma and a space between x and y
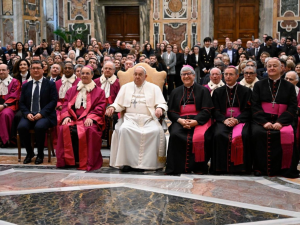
138, 140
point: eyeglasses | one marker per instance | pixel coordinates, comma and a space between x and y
186, 74
218, 65
249, 73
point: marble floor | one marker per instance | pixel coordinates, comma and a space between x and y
42, 194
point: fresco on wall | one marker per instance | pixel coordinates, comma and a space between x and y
175, 33
32, 8
7, 7
79, 9
8, 31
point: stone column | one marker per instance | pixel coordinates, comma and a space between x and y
265, 18
19, 34
207, 19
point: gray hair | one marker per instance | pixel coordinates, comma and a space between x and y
254, 62
250, 67
216, 68
296, 75
187, 68
71, 51
78, 66
114, 66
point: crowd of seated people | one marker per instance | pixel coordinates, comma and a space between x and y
233, 109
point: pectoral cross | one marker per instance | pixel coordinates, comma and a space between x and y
231, 111
134, 103
273, 103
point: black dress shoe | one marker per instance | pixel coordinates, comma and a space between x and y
126, 169
257, 173
39, 160
28, 159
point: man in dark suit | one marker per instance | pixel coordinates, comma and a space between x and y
289, 49
207, 55
253, 52
55, 73
297, 55
232, 53
269, 47
108, 49
37, 104
123, 50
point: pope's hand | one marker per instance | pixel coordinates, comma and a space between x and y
158, 112
109, 111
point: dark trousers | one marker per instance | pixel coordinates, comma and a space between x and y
40, 127
171, 79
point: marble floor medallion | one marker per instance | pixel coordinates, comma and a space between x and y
121, 205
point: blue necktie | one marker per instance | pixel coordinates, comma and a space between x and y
52, 80
35, 98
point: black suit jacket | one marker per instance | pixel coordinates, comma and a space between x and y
297, 57
206, 61
48, 100
234, 56
179, 63
192, 60
81, 52
40, 50
110, 51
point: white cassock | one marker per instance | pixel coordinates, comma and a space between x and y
138, 140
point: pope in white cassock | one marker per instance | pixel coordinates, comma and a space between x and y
138, 140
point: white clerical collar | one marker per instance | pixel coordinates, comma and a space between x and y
231, 86
190, 86
275, 79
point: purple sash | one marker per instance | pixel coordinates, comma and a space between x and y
237, 148
286, 133
198, 137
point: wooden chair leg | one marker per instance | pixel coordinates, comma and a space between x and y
19, 147
49, 145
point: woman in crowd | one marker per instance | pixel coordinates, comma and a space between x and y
220, 49
77, 69
26, 47
162, 49
50, 61
148, 50
194, 62
21, 70
46, 68
186, 55
169, 58
118, 65
79, 48
21, 51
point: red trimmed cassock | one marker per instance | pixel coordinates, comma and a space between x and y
275, 151
229, 146
10, 90
62, 86
111, 87
186, 152
77, 142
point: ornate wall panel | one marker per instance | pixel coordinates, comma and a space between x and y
31, 8
7, 7
32, 31
82, 29
8, 31
286, 19
79, 9
176, 33
177, 22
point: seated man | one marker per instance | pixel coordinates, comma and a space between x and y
79, 138
228, 138
9, 97
215, 80
37, 104
274, 107
139, 140
111, 86
250, 77
190, 112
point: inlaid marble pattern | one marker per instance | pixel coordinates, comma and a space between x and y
7, 7
121, 205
